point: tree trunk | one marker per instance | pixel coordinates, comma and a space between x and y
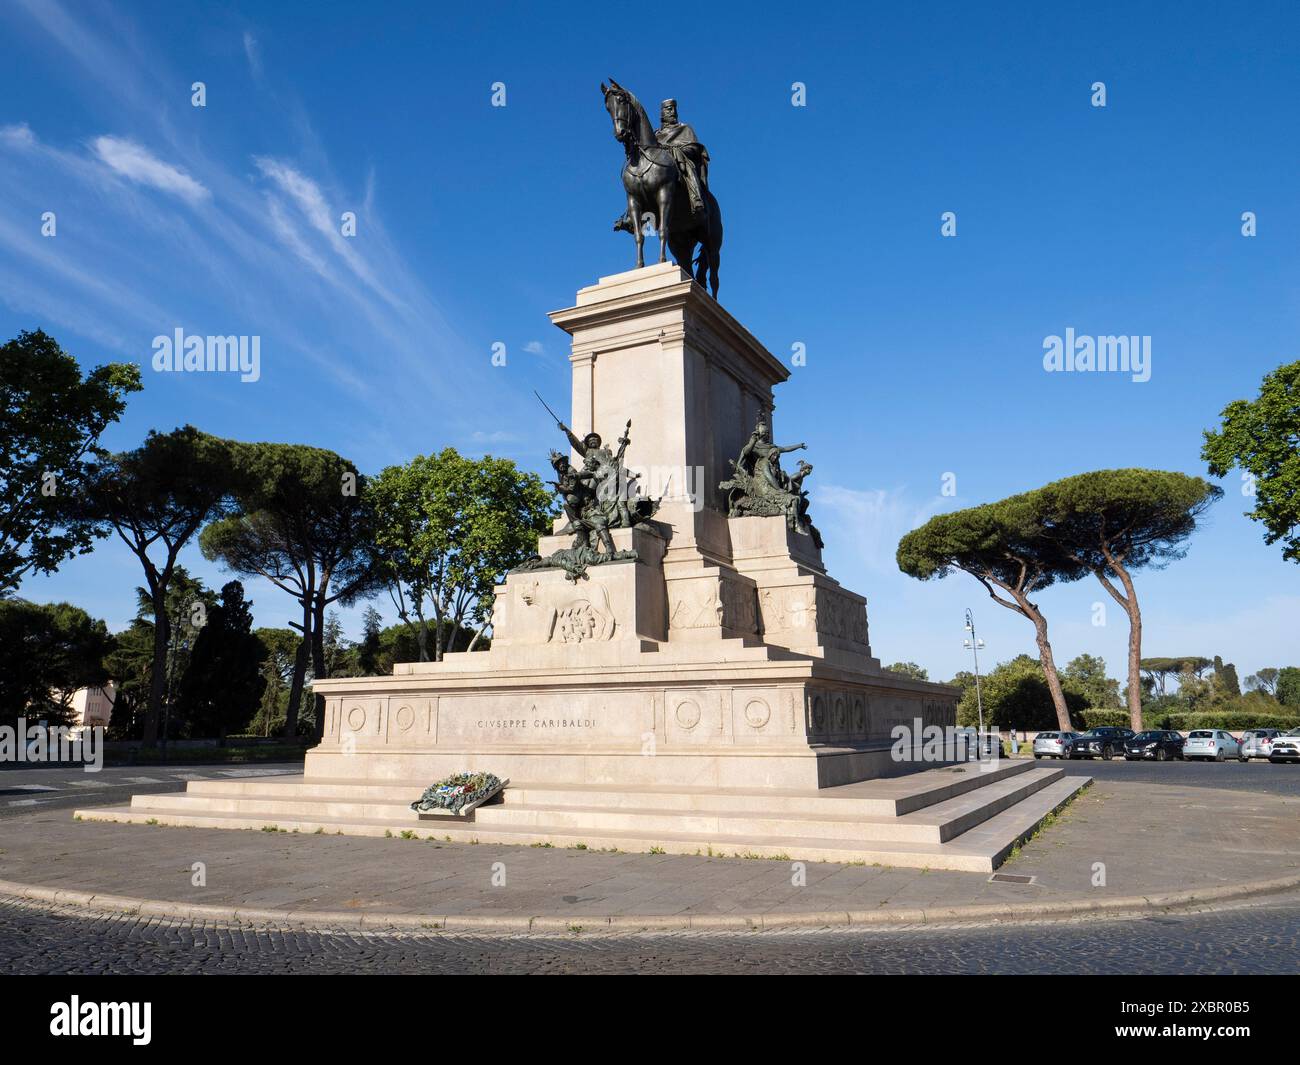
1048, 661
1021, 605
162, 631
318, 663
1134, 670
299, 672
1134, 649
422, 634
1130, 604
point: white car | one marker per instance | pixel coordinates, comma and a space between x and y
1286, 747
1256, 743
1211, 743
1053, 744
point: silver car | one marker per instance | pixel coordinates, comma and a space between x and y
1257, 743
1211, 743
1053, 744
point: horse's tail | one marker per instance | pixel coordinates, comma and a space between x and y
711, 238
715, 243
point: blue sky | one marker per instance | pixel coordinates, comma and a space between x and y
924, 352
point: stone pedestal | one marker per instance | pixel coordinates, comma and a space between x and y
542, 617
652, 346
724, 655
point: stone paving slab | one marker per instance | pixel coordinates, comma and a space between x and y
1152, 839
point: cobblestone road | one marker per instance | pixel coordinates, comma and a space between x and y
1263, 938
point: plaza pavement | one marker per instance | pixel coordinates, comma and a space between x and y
1159, 845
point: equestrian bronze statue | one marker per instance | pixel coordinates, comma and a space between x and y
666, 177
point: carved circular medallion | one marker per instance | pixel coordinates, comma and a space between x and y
819, 712
688, 714
357, 718
757, 713
405, 718
841, 713
859, 715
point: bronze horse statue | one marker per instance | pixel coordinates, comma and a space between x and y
655, 190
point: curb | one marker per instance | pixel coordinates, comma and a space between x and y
1004, 913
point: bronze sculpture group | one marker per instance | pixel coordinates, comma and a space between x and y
601, 495
758, 485
597, 496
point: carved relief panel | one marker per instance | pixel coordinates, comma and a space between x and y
713, 601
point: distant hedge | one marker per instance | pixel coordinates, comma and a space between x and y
1097, 716
1184, 720
1226, 719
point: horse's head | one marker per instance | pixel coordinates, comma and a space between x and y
619, 106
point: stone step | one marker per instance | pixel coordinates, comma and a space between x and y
936, 823
252, 804
299, 787
828, 820
979, 850
995, 838
954, 817
884, 797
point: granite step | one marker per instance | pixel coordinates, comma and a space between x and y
995, 838
252, 804
884, 796
936, 823
830, 819
980, 849
891, 796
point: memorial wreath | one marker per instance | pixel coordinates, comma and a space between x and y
456, 791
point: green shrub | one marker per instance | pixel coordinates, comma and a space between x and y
1099, 715
1231, 720
1015, 695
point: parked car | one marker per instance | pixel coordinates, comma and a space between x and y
1211, 743
1286, 747
1053, 744
1257, 742
1103, 742
1160, 744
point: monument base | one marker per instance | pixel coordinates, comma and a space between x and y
752, 671
965, 817
710, 684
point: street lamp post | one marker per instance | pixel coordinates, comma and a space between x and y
975, 643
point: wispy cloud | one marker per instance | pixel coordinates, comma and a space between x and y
306, 195
18, 136
140, 165
349, 312
876, 519
253, 52
534, 347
